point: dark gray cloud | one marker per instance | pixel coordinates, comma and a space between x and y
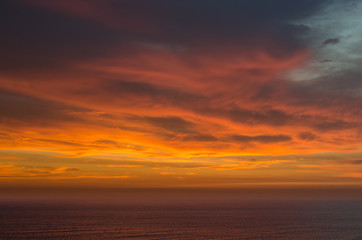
200, 138
336, 125
261, 138
307, 136
359, 161
346, 82
36, 38
173, 128
277, 92
220, 19
106, 142
269, 117
72, 169
48, 170
171, 123
329, 41
60, 142
141, 91
24, 110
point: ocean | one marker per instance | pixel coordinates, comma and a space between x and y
186, 218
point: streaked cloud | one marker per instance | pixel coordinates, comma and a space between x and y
149, 91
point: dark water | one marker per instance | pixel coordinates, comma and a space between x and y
247, 219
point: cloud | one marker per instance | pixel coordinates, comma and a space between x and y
269, 116
200, 138
24, 110
60, 35
329, 41
107, 142
356, 161
174, 124
60, 142
307, 136
336, 125
48, 170
261, 138
168, 80
11, 171
343, 82
49, 41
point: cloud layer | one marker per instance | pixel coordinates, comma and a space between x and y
174, 80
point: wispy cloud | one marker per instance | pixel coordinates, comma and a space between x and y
178, 86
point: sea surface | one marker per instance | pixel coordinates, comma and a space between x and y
186, 219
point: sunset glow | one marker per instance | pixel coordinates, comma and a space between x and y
180, 93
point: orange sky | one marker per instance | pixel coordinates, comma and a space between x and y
95, 93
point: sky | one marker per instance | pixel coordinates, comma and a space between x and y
170, 93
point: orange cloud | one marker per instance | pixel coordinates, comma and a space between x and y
137, 89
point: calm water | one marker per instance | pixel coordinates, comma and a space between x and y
240, 219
